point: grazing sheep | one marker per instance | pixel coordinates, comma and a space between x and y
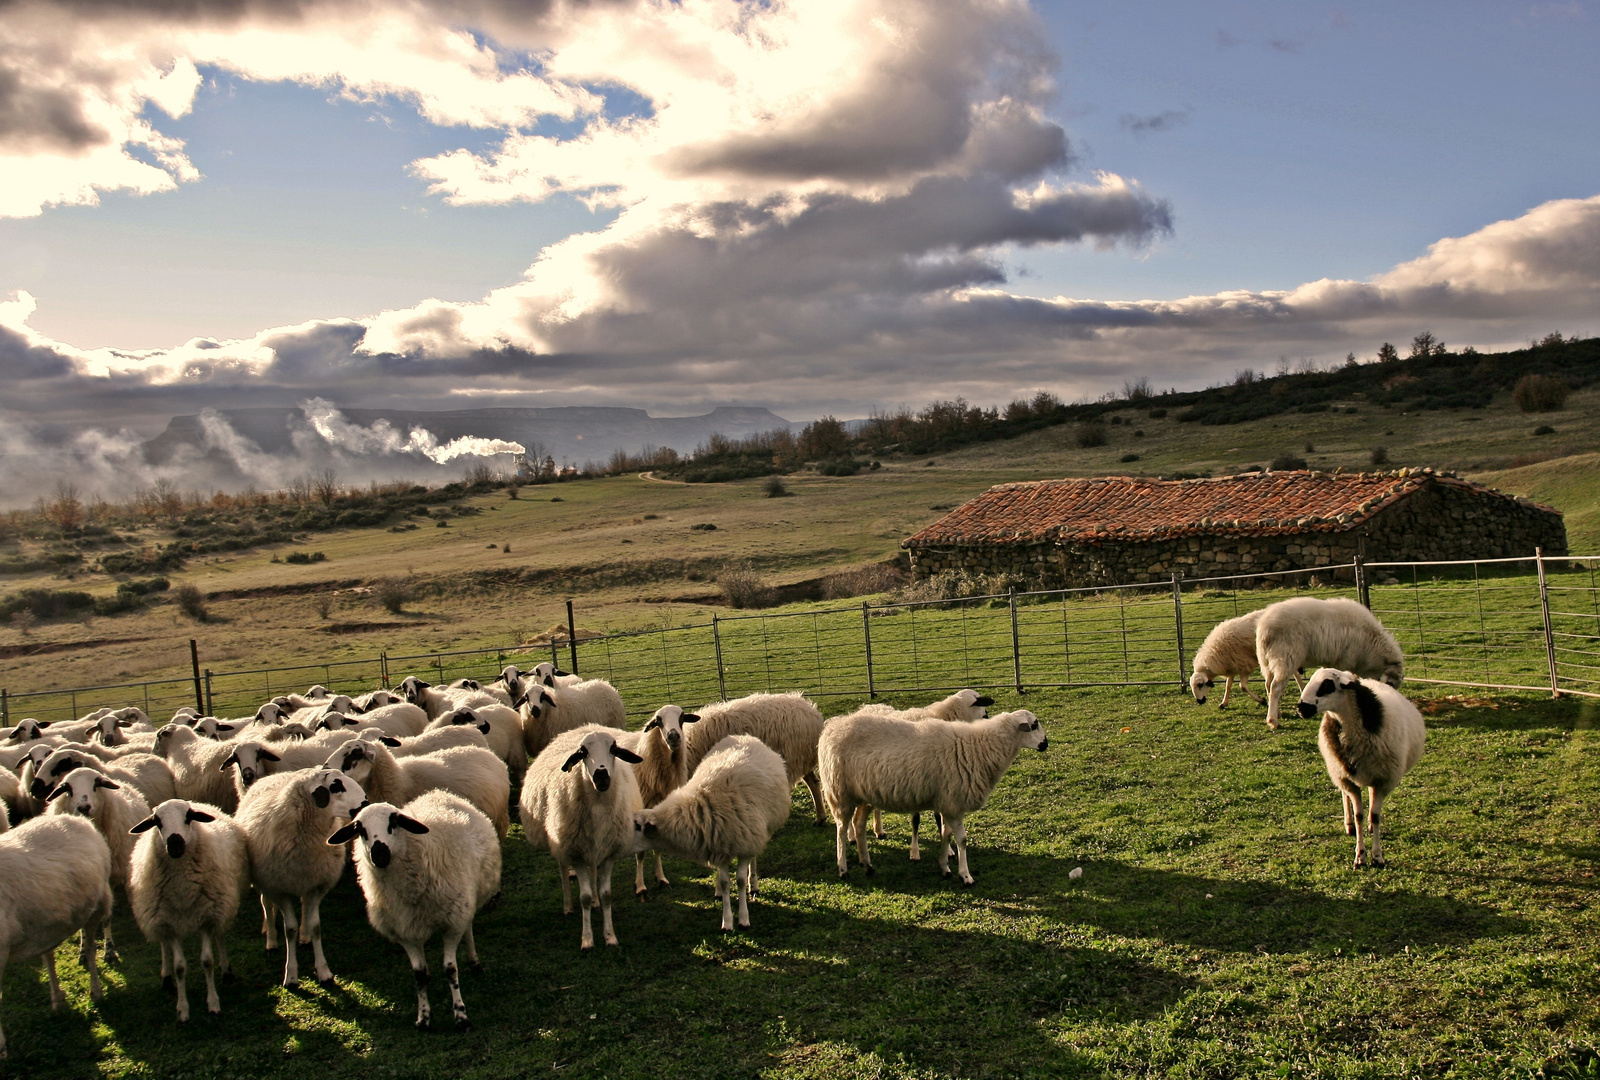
475, 775
735, 803
1230, 651
113, 810
908, 765
197, 766
960, 706
286, 819
788, 723
662, 770
55, 879
188, 873
548, 711
426, 869
1371, 736
438, 700
146, 774
432, 741
504, 735
1295, 634
584, 817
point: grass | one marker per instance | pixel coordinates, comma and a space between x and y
1217, 930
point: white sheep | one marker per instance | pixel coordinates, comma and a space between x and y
55, 879
146, 774
400, 719
475, 775
504, 735
1371, 736
1304, 632
548, 711
12, 801
662, 769
584, 817
27, 730
286, 820
788, 723
188, 874
547, 674
432, 741
251, 760
735, 803
375, 699
500, 693
113, 810
438, 700
426, 869
1228, 651
197, 766
908, 765
963, 705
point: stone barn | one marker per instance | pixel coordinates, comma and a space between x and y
1119, 529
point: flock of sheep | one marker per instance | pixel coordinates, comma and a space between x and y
414, 785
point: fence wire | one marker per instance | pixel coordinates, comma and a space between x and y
1528, 623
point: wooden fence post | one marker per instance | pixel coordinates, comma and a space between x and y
722, 678
1177, 620
572, 638
866, 636
194, 661
1549, 634
1016, 641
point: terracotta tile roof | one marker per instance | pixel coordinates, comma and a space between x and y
1127, 508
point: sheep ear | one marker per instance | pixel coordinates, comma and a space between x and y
484, 727
388, 740
622, 753
343, 835
147, 823
655, 722
321, 797
985, 701
124, 723
649, 828
224, 727
1345, 684
465, 716
689, 718
102, 782
558, 671
267, 755
409, 824
199, 815
61, 790
424, 685
577, 755
231, 759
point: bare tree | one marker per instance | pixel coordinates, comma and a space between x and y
65, 511
325, 486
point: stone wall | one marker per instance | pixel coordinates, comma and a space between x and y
1437, 522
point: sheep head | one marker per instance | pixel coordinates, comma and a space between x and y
175, 819
598, 753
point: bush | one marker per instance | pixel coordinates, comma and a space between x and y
1091, 433
876, 578
1380, 455
303, 557
1540, 393
744, 588
952, 585
191, 601
1285, 462
45, 604
1544, 429
704, 526
1157, 414
1128, 457
392, 593
775, 488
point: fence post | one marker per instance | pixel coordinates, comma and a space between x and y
572, 638
1549, 635
866, 636
1016, 646
5, 707
194, 661
1177, 621
722, 679
1362, 593
383, 668
211, 709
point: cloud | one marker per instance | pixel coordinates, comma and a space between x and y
382, 438
1151, 125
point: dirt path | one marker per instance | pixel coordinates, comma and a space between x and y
657, 480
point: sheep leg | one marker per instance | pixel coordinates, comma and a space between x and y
746, 874
944, 848
1227, 688
209, 966
305, 923
877, 824
166, 968
472, 951
1353, 793
586, 900
639, 889
603, 880
1275, 684
57, 998
291, 935
755, 879
180, 973
269, 924
1244, 684
843, 816
224, 965
313, 904
960, 834
86, 958
565, 873
814, 786
452, 975
916, 826
727, 896
863, 845
419, 970
661, 875
111, 954
1349, 814
1374, 822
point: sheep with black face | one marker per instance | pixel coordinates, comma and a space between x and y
578, 798
1371, 736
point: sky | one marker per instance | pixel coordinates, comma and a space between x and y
829, 206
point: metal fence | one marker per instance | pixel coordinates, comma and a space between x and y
1528, 624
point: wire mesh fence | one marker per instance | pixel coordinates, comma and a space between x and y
1530, 623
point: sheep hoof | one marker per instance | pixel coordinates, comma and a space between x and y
422, 1023
169, 984
463, 1024
113, 957
291, 984
642, 895
1349, 830
663, 883
229, 978
872, 871
844, 873
945, 873
214, 1012
326, 984
969, 883
1378, 863
476, 967
818, 823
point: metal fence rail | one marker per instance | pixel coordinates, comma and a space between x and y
1527, 623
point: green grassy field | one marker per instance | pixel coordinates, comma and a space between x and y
1217, 930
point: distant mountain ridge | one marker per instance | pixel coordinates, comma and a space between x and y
577, 433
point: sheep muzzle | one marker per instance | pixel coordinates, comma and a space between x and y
175, 846
380, 854
1308, 709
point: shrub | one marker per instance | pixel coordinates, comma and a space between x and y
1091, 433
876, 578
1128, 457
45, 604
1285, 462
303, 557
952, 585
23, 621
1157, 414
1544, 429
392, 593
774, 487
191, 601
1380, 455
704, 526
744, 588
1540, 393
